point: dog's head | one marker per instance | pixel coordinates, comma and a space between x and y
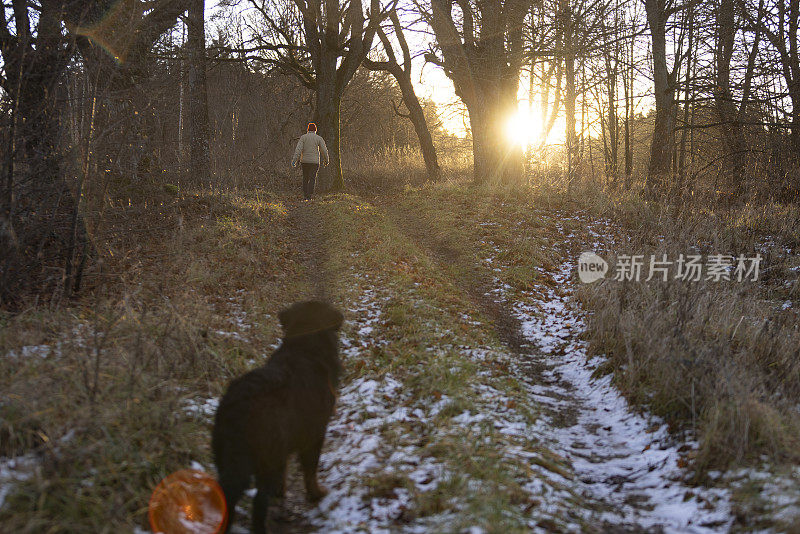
309, 317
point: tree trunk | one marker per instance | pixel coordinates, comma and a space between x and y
78, 240
485, 71
495, 157
732, 134
793, 67
794, 96
570, 89
690, 59
612, 154
199, 157
37, 204
628, 84
664, 128
482, 160
327, 119
569, 112
402, 73
182, 107
549, 120
417, 117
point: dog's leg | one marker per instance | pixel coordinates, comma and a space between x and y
309, 460
260, 503
269, 484
280, 491
233, 487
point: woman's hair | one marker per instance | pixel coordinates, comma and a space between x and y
312, 127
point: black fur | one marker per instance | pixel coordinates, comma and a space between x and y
279, 409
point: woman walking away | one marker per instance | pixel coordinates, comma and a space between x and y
307, 154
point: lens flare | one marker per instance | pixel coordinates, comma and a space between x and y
522, 128
188, 502
116, 31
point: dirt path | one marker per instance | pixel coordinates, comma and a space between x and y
290, 516
477, 281
350, 442
625, 466
307, 233
625, 462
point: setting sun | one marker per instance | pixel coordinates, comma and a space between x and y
523, 128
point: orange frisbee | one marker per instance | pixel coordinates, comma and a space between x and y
188, 502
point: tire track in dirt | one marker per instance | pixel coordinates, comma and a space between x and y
630, 502
479, 287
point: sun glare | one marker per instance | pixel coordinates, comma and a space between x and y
523, 128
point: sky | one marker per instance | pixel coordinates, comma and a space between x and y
431, 83
429, 80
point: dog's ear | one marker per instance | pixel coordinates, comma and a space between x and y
289, 318
338, 318
309, 317
327, 317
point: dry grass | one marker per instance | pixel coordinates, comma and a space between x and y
390, 170
106, 413
720, 357
105, 408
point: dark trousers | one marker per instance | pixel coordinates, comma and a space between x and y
309, 176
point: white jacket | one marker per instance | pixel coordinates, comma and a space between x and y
309, 148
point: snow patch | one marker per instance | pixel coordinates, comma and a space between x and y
201, 407
625, 460
40, 351
15, 470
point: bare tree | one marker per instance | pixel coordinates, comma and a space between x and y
199, 156
402, 73
779, 22
115, 38
732, 134
661, 148
323, 44
568, 19
41, 195
545, 36
627, 84
550, 113
35, 203
482, 53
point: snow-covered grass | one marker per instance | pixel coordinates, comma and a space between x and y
522, 223
14, 470
719, 359
624, 458
440, 425
623, 461
388, 461
28, 351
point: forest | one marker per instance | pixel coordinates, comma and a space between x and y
563, 238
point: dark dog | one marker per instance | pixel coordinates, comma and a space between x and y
279, 409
